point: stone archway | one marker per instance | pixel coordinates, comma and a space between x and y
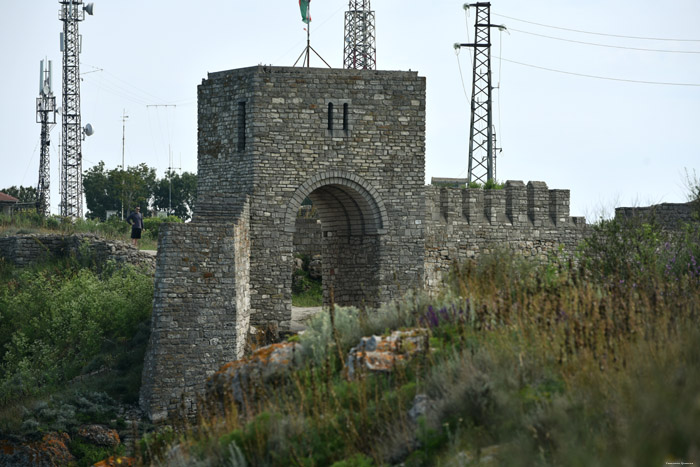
353, 218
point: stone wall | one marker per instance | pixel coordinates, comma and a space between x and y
200, 315
669, 215
465, 223
307, 236
23, 250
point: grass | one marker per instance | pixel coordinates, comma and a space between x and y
306, 291
113, 229
585, 362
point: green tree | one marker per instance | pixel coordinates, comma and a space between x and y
100, 195
110, 190
25, 194
181, 195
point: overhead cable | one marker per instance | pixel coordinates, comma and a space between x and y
599, 33
601, 77
606, 45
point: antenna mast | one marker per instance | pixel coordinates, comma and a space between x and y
482, 162
360, 52
71, 13
46, 115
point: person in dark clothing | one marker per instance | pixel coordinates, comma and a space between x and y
135, 219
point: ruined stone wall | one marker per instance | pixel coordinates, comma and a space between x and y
670, 216
24, 250
465, 223
200, 311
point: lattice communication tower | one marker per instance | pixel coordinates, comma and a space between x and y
72, 12
360, 52
46, 115
482, 147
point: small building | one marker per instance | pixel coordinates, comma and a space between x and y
7, 203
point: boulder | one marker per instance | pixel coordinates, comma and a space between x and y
383, 353
315, 271
243, 381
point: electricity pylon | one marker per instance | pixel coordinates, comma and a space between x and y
482, 161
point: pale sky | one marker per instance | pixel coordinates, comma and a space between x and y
610, 142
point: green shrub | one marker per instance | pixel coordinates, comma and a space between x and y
55, 320
151, 225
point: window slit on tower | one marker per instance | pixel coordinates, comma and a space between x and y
345, 116
330, 116
241, 126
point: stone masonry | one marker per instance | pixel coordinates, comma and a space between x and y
352, 141
27, 249
465, 223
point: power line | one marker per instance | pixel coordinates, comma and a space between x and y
600, 33
601, 77
606, 45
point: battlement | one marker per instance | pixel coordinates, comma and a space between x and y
517, 204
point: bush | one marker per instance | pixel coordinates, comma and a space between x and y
55, 320
151, 225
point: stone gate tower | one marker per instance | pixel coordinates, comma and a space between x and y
353, 142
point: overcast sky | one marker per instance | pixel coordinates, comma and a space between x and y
610, 142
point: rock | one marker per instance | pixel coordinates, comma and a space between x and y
246, 379
298, 263
99, 435
421, 406
315, 270
51, 451
383, 353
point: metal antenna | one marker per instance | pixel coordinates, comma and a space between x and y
124, 117
481, 136
360, 51
46, 115
71, 13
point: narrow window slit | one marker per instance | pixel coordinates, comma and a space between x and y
241, 126
330, 116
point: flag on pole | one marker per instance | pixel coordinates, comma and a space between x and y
304, 7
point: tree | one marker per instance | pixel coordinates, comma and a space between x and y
25, 194
178, 191
110, 190
100, 196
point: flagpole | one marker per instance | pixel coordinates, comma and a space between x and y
308, 37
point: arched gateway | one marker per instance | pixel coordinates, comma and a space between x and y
354, 143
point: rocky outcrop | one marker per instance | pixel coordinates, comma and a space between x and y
50, 451
383, 353
99, 435
243, 381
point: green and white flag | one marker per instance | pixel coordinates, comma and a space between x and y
304, 7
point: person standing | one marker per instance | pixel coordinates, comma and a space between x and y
135, 220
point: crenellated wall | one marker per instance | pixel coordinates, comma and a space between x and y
530, 220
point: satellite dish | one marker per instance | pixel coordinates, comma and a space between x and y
89, 130
89, 7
